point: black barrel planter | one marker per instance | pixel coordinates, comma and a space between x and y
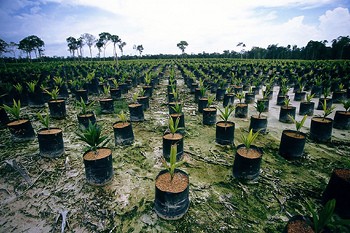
299, 96
241, 110
193, 88
84, 119
321, 129
181, 126
98, 166
225, 132
348, 93
220, 94
246, 165
209, 116
266, 104
36, 100
57, 108
148, 91
338, 96
286, 112
229, 99
329, 103
123, 88
249, 98
21, 130
306, 108
202, 103
258, 123
238, 89
342, 120
316, 91
107, 105
123, 133
136, 113
298, 223
50, 142
4, 119
171, 202
172, 139
82, 94
256, 90
144, 101
338, 188
197, 95
116, 94
281, 99
63, 92
292, 144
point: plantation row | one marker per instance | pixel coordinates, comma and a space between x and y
214, 89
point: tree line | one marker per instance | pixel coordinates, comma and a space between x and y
314, 50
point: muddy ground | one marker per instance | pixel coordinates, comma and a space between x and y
219, 203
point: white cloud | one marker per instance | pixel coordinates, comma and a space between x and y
335, 23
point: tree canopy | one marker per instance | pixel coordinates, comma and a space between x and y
182, 45
32, 44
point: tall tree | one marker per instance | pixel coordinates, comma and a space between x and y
105, 38
121, 45
140, 49
13, 48
241, 44
115, 39
80, 44
99, 45
341, 48
30, 44
72, 45
3, 46
182, 46
89, 41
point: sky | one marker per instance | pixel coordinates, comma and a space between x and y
207, 25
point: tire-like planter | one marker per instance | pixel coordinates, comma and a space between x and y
172, 139
144, 100
51, 142
21, 130
292, 144
321, 129
99, 166
257, 123
225, 132
246, 165
299, 96
209, 116
338, 188
285, 113
241, 110
123, 133
249, 98
84, 119
229, 99
306, 108
202, 103
170, 202
342, 120
57, 108
36, 100
136, 113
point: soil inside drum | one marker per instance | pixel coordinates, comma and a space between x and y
176, 185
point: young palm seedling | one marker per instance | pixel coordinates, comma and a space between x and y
224, 115
50, 139
14, 110
172, 189
248, 158
97, 158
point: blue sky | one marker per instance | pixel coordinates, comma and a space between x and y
210, 26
